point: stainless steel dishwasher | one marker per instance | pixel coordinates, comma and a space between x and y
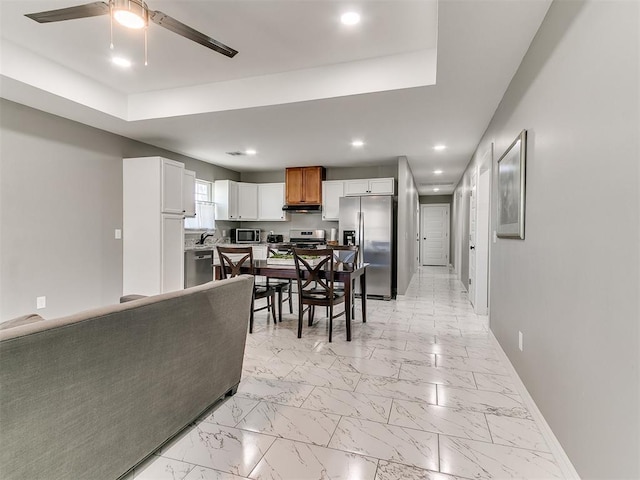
198, 268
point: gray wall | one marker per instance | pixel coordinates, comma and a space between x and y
60, 202
408, 217
572, 286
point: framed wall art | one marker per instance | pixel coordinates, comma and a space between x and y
511, 189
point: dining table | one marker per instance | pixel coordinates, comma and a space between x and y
345, 274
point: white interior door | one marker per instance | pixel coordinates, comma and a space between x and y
435, 234
473, 205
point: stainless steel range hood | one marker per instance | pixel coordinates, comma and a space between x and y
302, 208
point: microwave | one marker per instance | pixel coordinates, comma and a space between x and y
245, 235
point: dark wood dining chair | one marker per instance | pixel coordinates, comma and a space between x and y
282, 286
346, 257
232, 261
314, 274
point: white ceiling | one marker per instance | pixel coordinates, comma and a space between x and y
412, 74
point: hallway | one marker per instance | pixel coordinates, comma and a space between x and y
419, 390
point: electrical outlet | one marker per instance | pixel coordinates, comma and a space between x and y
118, 234
41, 302
520, 341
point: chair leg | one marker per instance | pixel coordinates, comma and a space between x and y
279, 304
251, 317
312, 312
330, 321
273, 309
290, 297
300, 315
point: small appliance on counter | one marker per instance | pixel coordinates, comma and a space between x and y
245, 235
275, 238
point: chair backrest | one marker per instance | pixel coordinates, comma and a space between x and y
314, 270
233, 259
345, 255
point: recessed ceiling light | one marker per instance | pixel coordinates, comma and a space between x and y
250, 151
436, 189
350, 18
437, 172
357, 143
439, 147
121, 62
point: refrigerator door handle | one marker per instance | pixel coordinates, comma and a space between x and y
357, 232
361, 227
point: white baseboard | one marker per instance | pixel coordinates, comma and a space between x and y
568, 470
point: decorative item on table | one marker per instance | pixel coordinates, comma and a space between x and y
287, 259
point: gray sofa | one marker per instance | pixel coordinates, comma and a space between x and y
91, 395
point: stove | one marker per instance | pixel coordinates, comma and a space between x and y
302, 239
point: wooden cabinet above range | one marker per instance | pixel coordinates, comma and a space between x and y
304, 185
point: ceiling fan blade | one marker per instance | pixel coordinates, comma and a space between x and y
80, 11
180, 28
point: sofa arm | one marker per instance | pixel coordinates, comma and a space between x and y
131, 297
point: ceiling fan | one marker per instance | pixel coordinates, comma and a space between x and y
132, 14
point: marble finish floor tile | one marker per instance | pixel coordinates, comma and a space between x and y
495, 383
230, 411
276, 391
438, 348
290, 422
401, 389
350, 404
288, 460
436, 419
482, 401
367, 366
442, 376
480, 365
404, 356
203, 473
159, 468
271, 368
221, 448
343, 349
321, 377
472, 459
297, 357
387, 442
516, 432
397, 471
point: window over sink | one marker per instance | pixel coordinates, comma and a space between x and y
205, 208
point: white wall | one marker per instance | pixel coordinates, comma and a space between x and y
572, 286
60, 202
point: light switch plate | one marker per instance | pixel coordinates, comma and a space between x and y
41, 302
118, 234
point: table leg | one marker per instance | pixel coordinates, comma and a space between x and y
347, 307
363, 289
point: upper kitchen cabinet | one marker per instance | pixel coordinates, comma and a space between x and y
304, 185
172, 185
247, 201
332, 190
271, 198
369, 186
226, 200
189, 194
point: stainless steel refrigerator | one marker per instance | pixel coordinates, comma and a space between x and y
368, 221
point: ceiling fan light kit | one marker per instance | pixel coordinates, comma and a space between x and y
132, 14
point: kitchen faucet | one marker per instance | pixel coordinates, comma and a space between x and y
203, 237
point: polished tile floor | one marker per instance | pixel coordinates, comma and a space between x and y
420, 393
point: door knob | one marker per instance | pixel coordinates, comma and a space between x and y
472, 247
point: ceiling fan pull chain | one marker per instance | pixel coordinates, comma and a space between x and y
145, 45
111, 23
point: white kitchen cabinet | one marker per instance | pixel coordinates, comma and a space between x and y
332, 190
270, 202
152, 240
247, 201
189, 193
226, 200
172, 185
369, 186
